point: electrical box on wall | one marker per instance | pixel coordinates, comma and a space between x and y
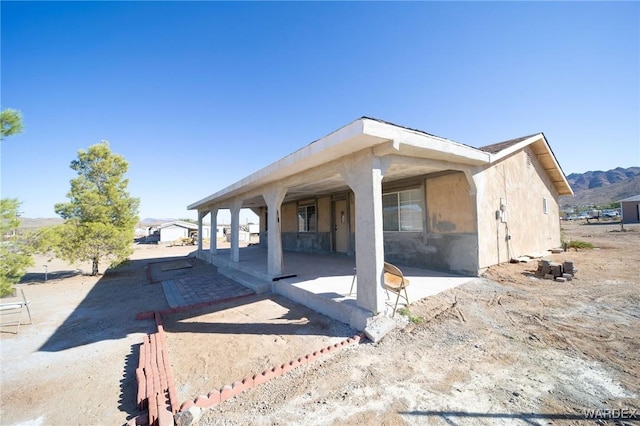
503, 210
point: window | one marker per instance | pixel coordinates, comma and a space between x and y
307, 218
402, 211
545, 206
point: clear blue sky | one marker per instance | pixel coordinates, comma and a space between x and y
197, 95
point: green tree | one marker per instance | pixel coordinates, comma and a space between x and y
100, 217
15, 255
10, 122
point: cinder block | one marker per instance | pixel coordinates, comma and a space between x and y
561, 279
548, 276
568, 277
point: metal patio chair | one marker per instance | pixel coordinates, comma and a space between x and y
395, 282
11, 312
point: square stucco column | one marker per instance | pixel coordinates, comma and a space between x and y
213, 232
364, 176
235, 230
201, 215
274, 197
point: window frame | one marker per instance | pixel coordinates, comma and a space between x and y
408, 222
308, 222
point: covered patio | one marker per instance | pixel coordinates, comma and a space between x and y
327, 198
322, 281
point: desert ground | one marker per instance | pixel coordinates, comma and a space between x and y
506, 348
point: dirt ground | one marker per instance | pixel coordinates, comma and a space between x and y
507, 348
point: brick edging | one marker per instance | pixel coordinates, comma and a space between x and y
156, 391
229, 391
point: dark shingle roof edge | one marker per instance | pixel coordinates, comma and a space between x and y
497, 147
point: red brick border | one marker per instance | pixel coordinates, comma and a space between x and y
230, 391
156, 388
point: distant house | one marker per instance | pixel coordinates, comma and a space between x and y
381, 192
172, 231
630, 208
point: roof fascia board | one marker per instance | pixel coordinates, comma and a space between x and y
516, 147
563, 186
403, 136
300, 160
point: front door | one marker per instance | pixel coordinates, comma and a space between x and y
340, 226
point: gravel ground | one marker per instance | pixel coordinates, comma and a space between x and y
507, 348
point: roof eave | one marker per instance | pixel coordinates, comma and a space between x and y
559, 179
355, 136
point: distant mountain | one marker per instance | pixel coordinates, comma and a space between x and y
150, 221
599, 188
31, 223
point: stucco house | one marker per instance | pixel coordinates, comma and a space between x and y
381, 192
630, 208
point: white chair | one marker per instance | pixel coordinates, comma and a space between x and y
11, 312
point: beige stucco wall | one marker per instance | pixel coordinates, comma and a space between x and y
523, 185
289, 219
450, 207
323, 209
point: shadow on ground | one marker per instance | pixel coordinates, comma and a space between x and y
109, 309
296, 320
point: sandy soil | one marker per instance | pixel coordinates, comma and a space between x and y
507, 348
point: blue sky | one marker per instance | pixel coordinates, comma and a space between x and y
197, 95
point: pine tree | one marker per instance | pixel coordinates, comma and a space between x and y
100, 217
15, 255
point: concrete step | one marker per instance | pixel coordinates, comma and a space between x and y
255, 284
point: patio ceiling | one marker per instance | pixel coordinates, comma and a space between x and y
334, 183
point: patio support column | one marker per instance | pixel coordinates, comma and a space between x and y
364, 176
274, 197
235, 230
201, 215
213, 232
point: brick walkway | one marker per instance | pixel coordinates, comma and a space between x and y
194, 290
